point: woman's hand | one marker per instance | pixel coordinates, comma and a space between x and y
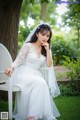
8, 71
46, 46
48, 57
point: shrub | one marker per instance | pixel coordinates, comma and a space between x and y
70, 89
61, 48
73, 67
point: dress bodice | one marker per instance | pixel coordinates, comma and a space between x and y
28, 56
32, 59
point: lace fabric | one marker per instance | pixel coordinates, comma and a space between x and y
21, 55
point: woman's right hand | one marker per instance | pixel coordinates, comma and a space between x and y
8, 71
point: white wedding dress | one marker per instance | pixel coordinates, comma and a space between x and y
34, 98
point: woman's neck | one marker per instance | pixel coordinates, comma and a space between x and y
38, 44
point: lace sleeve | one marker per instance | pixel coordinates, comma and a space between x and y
21, 55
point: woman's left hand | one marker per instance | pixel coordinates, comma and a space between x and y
46, 46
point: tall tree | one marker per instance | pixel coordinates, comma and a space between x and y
40, 9
43, 10
72, 18
9, 19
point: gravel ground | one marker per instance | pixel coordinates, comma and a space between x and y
60, 73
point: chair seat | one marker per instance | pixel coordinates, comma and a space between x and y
5, 88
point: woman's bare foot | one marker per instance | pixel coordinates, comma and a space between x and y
31, 118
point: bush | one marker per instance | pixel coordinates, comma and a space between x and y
72, 88
22, 34
61, 48
73, 72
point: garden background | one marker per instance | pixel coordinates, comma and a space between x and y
19, 17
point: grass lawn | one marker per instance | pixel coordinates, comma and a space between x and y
69, 107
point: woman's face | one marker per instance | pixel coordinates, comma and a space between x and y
43, 37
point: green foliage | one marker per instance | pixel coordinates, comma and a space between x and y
42, 1
61, 48
70, 89
31, 1
24, 10
22, 34
78, 53
51, 14
32, 8
73, 67
72, 18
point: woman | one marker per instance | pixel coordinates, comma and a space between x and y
34, 102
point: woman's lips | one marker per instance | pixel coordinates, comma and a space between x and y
44, 40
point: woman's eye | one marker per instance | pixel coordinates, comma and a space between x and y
43, 34
47, 35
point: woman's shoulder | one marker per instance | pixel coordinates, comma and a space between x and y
27, 44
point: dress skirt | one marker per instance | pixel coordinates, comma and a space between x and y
34, 98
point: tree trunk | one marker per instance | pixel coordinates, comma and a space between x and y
43, 11
9, 20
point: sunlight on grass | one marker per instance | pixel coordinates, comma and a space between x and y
69, 107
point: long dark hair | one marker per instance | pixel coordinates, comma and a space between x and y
41, 29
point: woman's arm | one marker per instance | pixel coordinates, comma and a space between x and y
49, 60
19, 59
21, 56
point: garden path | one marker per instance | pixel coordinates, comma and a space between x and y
60, 73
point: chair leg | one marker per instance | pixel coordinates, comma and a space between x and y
10, 104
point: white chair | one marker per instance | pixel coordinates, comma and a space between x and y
5, 82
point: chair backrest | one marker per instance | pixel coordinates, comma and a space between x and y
5, 61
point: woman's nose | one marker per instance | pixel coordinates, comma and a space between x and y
45, 37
